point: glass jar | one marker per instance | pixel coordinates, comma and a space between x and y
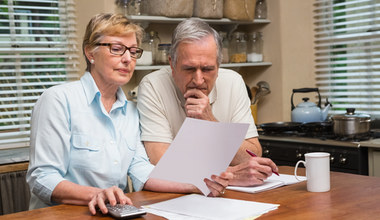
134, 7
162, 54
225, 45
261, 9
255, 47
154, 41
238, 48
147, 56
122, 6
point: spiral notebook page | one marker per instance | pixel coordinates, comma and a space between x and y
272, 182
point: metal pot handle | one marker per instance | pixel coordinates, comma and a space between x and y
305, 90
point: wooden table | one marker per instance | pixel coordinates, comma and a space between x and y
351, 197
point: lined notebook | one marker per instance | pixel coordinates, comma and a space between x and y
272, 182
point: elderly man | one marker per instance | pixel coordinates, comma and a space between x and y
194, 86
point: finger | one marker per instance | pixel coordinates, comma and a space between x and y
100, 201
267, 167
220, 181
247, 177
110, 195
214, 187
195, 93
195, 103
260, 164
213, 191
122, 198
227, 175
241, 166
267, 162
91, 207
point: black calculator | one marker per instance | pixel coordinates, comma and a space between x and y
124, 211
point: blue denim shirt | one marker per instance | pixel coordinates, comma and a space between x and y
74, 138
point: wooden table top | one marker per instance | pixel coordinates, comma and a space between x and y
351, 197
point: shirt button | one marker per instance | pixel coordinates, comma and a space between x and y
115, 162
112, 142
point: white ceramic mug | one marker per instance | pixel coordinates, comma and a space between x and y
317, 171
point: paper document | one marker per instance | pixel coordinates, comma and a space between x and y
200, 207
272, 182
200, 149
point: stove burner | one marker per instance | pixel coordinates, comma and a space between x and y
322, 135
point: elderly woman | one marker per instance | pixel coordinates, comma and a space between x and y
85, 136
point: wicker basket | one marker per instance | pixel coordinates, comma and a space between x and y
171, 8
208, 8
243, 10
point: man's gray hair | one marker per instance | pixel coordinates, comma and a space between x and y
190, 30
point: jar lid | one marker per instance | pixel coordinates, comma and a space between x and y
238, 35
350, 115
223, 34
255, 34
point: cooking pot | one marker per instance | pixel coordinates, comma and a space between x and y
351, 124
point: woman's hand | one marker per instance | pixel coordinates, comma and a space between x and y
219, 183
112, 195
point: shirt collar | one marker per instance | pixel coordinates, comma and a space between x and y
92, 92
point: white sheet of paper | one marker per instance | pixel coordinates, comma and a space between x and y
200, 149
201, 207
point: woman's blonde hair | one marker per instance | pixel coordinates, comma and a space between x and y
108, 24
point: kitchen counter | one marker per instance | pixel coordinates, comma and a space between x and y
374, 143
308, 140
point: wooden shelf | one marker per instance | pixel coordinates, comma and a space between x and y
163, 19
224, 65
228, 24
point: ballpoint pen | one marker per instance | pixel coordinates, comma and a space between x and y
254, 155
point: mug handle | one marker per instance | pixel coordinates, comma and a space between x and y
295, 169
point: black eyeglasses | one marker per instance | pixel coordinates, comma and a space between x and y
119, 49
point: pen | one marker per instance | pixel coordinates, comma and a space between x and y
254, 155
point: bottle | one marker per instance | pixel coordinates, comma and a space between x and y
261, 9
154, 40
147, 56
225, 45
238, 48
255, 47
162, 54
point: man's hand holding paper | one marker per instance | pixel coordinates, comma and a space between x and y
201, 150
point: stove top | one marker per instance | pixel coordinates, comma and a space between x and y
323, 135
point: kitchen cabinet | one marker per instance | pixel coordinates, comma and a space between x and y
373, 146
374, 161
224, 24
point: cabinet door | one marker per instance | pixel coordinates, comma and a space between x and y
374, 162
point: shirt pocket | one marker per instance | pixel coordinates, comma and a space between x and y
130, 142
86, 152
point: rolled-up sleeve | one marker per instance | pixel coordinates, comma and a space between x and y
140, 167
48, 164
